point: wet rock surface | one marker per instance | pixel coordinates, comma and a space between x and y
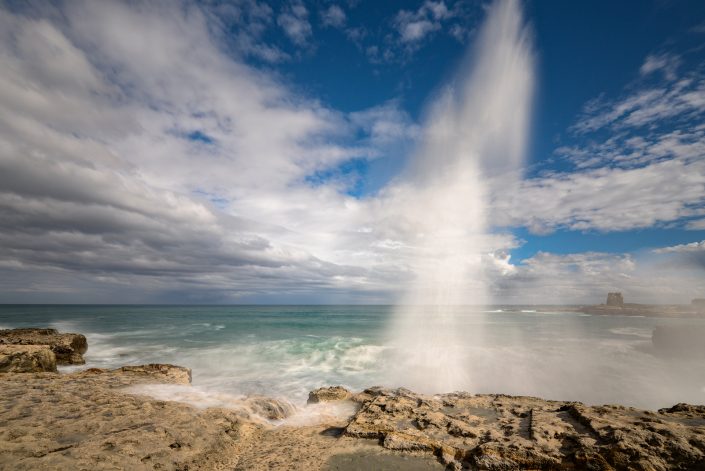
498, 432
89, 420
26, 359
68, 348
328, 394
269, 408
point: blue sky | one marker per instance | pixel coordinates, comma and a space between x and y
250, 151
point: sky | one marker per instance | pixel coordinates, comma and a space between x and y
249, 152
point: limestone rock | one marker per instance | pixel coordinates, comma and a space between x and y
498, 432
86, 421
160, 372
331, 393
26, 359
269, 408
68, 348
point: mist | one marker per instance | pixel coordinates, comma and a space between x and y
442, 336
475, 133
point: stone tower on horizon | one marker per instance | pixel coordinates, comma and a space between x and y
615, 299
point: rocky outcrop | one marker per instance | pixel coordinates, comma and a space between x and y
161, 372
269, 408
328, 394
91, 420
26, 359
498, 432
68, 348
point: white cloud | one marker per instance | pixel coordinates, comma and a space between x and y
414, 26
294, 21
665, 63
691, 247
682, 98
333, 16
242, 25
586, 278
101, 184
411, 31
639, 161
696, 225
103, 194
386, 124
606, 199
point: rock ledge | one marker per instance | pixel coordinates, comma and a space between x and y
68, 348
26, 359
499, 432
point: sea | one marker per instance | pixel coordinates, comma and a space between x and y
237, 351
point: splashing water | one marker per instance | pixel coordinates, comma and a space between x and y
473, 144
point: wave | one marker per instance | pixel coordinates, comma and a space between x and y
200, 398
633, 331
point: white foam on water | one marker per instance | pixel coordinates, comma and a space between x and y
313, 414
202, 398
633, 331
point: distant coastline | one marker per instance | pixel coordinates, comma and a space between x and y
616, 306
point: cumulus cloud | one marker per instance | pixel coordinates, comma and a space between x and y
154, 156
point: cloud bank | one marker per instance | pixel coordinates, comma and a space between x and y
144, 158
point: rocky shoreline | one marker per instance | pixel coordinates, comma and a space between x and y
94, 419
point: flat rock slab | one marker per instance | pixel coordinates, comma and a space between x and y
366, 460
498, 432
85, 420
88, 420
328, 394
68, 348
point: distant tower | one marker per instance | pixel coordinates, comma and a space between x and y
615, 299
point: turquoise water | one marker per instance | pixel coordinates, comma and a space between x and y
285, 351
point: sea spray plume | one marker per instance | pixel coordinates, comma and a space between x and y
473, 141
